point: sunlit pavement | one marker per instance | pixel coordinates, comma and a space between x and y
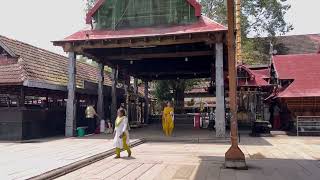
274, 158
32, 158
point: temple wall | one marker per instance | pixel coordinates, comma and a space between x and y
22, 123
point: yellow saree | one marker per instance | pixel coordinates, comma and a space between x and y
167, 120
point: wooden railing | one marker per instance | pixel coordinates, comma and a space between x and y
308, 124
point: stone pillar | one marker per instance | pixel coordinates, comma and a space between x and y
71, 102
220, 100
100, 104
146, 104
114, 95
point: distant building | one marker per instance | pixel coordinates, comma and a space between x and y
298, 87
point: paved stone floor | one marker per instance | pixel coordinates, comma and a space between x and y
268, 158
25, 160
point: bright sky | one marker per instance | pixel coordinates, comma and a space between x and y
38, 22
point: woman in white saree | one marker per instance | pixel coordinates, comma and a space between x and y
121, 138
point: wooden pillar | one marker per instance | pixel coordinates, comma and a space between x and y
234, 157
136, 102
114, 95
100, 104
220, 100
71, 102
127, 94
22, 97
146, 104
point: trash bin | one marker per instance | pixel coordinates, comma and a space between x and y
81, 131
196, 122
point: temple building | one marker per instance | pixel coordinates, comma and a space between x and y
33, 91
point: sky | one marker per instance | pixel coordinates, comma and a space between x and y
38, 22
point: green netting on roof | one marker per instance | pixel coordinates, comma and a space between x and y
115, 14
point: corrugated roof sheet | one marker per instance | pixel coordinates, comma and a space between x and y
303, 69
43, 66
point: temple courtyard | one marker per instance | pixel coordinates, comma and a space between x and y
191, 154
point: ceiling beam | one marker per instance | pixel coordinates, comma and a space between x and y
141, 42
161, 55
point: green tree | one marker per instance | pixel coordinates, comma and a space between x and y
89, 4
258, 18
168, 90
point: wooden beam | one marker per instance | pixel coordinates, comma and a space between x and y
139, 42
161, 55
71, 102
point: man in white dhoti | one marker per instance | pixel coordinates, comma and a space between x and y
121, 138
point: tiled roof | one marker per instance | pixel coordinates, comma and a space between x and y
203, 25
39, 65
201, 87
11, 74
303, 69
300, 44
258, 77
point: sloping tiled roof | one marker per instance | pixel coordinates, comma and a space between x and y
42, 66
204, 24
201, 87
300, 44
11, 74
258, 77
303, 69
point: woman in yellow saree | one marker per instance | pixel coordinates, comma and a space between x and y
168, 119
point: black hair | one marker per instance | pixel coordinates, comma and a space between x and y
122, 111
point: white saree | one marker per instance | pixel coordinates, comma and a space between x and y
120, 128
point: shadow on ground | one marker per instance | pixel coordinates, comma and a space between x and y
212, 167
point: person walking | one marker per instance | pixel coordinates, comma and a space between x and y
168, 119
90, 116
121, 134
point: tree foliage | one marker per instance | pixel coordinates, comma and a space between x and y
89, 4
258, 18
168, 90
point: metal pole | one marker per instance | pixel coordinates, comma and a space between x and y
234, 157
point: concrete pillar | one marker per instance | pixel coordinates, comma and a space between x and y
220, 100
100, 104
71, 102
114, 95
146, 105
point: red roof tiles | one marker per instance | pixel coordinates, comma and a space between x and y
303, 69
204, 24
257, 79
42, 66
